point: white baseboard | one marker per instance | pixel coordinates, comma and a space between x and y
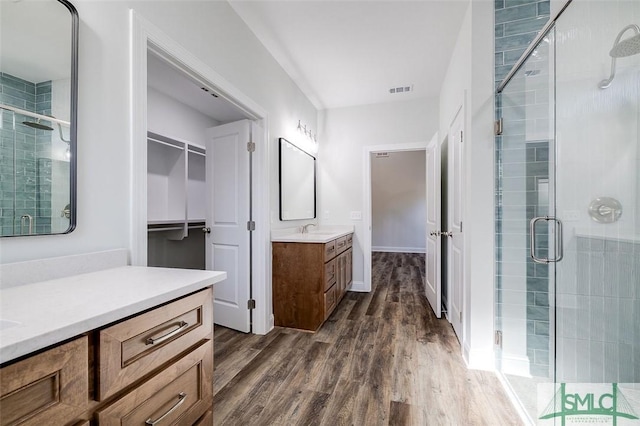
479, 359
358, 286
516, 365
385, 249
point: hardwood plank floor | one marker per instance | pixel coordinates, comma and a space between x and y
382, 358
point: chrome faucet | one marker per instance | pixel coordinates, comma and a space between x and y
305, 228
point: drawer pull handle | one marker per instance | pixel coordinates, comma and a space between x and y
331, 249
156, 341
181, 397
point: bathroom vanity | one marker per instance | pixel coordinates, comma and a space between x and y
311, 273
127, 345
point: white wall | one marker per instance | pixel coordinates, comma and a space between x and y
398, 202
171, 118
211, 31
470, 78
343, 134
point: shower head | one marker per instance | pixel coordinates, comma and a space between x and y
622, 49
37, 125
627, 47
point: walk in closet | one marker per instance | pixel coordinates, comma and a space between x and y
176, 196
179, 112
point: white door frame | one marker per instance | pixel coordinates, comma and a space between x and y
366, 216
146, 36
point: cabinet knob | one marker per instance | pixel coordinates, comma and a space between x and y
206, 230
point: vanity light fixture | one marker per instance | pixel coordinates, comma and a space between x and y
308, 133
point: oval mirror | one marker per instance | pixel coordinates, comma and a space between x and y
38, 117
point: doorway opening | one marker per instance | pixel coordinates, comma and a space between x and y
386, 203
187, 121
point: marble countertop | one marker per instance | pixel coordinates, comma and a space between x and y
321, 235
34, 316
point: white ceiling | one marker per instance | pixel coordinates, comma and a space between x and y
345, 53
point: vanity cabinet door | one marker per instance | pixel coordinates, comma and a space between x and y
179, 395
349, 268
330, 274
131, 349
329, 301
45, 389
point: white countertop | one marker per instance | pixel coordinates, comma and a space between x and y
322, 235
49, 312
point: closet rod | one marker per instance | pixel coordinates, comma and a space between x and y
181, 148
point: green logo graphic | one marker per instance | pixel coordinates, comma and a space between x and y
614, 405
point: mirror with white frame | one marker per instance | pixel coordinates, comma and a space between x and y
38, 110
297, 183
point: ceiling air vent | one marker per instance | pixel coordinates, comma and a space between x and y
401, 89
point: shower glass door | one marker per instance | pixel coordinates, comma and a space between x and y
569, 155
598, 197
525, 184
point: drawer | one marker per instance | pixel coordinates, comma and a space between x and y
207, 419
349, 240
136, 347
341, 244
329, 301
329, 274
49, 388
180, 394
329, 250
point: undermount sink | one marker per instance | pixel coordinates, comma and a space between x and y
5, 324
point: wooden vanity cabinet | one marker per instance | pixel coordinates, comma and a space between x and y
51, 387
154, 365
309, 280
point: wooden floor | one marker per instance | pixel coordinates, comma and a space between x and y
382, 358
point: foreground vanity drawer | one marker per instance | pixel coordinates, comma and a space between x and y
179, 395
341, 244
349, 240
329, 250
136, 347
49, 388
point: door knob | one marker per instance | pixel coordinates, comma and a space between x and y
206, 230
447, 233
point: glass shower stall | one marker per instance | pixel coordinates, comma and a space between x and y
567, 309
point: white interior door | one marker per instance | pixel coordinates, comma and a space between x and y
228, 201
434, 248
455, 255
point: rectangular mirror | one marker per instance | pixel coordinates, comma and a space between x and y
297, 183
38, 110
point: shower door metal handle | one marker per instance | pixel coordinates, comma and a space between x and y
558, 240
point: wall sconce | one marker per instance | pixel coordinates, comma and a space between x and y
303, 129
